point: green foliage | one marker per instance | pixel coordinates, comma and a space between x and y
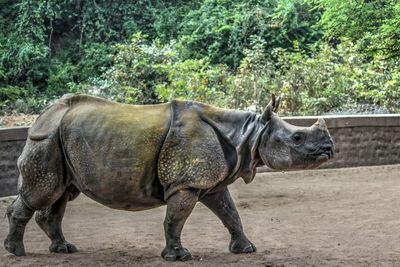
255, 79
10, 94
137, 69
337, 77
21, 100
325, 55
196, 79
148, 72
373, 24
54, 46
221, 30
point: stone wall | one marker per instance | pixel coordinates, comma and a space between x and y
12, 141
359, 141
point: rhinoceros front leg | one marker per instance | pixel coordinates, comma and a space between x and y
179, 207
50, 221
222, 205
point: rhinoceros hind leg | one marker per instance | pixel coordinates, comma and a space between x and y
222, 205
18, 216
179, 207
50, 220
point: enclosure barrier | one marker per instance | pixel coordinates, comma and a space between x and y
360, 140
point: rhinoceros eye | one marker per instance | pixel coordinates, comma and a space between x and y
297, 137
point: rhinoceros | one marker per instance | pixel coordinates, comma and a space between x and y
134, 157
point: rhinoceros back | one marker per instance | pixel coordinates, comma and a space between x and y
48, 123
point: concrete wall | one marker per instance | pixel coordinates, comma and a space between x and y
359, 140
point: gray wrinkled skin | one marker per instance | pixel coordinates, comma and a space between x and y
139, 157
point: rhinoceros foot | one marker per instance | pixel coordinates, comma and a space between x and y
62, 247
176, 253
241, 245
17, 247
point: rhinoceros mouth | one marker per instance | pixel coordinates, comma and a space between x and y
317, 159
325, 153
324, 156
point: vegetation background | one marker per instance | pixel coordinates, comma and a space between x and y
326, 56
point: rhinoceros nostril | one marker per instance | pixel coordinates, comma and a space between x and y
328, 148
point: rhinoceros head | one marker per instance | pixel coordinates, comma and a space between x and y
284, 146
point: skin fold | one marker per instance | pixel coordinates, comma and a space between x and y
139, 157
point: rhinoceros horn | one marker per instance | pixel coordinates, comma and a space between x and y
321, 123
271, 108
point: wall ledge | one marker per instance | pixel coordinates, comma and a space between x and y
344, 121
13, 133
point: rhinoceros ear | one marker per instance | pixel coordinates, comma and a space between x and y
271, 108
277, 104
321, 124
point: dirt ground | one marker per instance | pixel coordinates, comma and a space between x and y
337, 217
17, 120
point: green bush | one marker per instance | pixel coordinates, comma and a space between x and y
331, 79
324, 55
256, 78
21, 100
336, 77
221, 30
196, 79
137, 69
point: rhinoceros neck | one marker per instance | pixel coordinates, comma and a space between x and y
246, 141
242, 131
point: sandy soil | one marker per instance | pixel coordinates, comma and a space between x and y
338, 217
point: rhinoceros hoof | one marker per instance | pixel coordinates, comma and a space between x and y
62, 247
242, 245
16, 248
176, 253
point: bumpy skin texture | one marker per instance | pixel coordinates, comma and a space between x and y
140, 157
179, 207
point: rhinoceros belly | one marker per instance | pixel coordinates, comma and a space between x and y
112, 151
